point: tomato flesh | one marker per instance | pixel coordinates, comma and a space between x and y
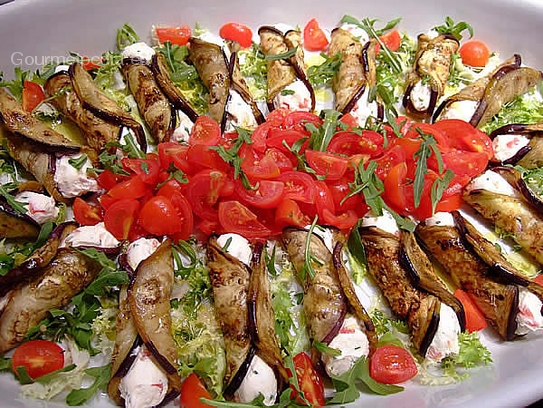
237, 218
32, 95
192, 390
474, 53
85, 213
391, 364
475, 320
314, 37
309, 380
237, 32
38, 357
176, 35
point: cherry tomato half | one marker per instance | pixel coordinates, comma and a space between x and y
391, 364
314, 37
474, 53
32, 96
176, 35
309, 380
475, 319
192, 390
237, 32
39, 357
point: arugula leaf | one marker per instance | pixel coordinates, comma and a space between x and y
321, 136
126, 36
325, 349
346, 384
438, 188
321, 75
284, 55
454, 29
78, 162
16, 85
101, 379
16, 205
5, 364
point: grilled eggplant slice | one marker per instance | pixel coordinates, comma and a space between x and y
16, 225
513, 215
419, 267
419, 309
101, 105
498, 302
491, 93
149, 299
531, 155
230, 281
431, 69
34, 265
211, 64
153, 105
172, 92
262, 317
324, 302
65, 276
283, 71
357, 72
97, 131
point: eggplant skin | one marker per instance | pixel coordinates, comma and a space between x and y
64, 277
512, 215
498, 302
230, 282
15, 225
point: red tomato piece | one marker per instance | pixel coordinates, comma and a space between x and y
310, 381
340, 189
284, 161
288, 213
349, 120
192, 390
464, 136
392, 40
344, 221
176, 35
539, 279
184, 212
90, 64
201, 157
279, 137
257, 166
173, 153
297, 120
259, 136
329, 165
121, 217
237, 218
158, 216
132, 188
394, 194
347, 143
276, 117
237, 32
314, 37
107, 179
298, 186
38, 357
475, 320
203, 192
323, 199
147, 169
388, 160
391, 364
416, 129
32, 95
462, 163
205, 131
474, 53
266, 194
85, 213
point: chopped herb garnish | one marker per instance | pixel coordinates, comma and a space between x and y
78, 162
321, 75
126, 36
454, 29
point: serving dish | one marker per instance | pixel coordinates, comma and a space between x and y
33, 30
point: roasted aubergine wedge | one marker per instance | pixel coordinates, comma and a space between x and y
428, 78
498, 302
495, 199
529, 145
356, 74
288, 85
329, 300
489, 94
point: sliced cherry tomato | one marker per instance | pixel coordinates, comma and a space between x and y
394, 188
259, 136
464, 136
341, 189
309, 380
284, 161
344, 221
475, 320
416, 129
298, 120
107, 179
276, 117
90, 64
539, 279
329, 165
462, 163
350, 121
266, 193
134, 187
184, 212
314, 37
474, 53
32, 96
38, 357
121, 216
192, 390
176, 35
237, 32
388, 160
288, 213
257, 166
147, 169
205, 131
201, 157
235, 217
203, 192
347, 143
158, 216
173, 153
392, 41
85, 213
299, 186
391, 364
277, 137
323, 198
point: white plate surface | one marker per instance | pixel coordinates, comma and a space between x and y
33, 30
